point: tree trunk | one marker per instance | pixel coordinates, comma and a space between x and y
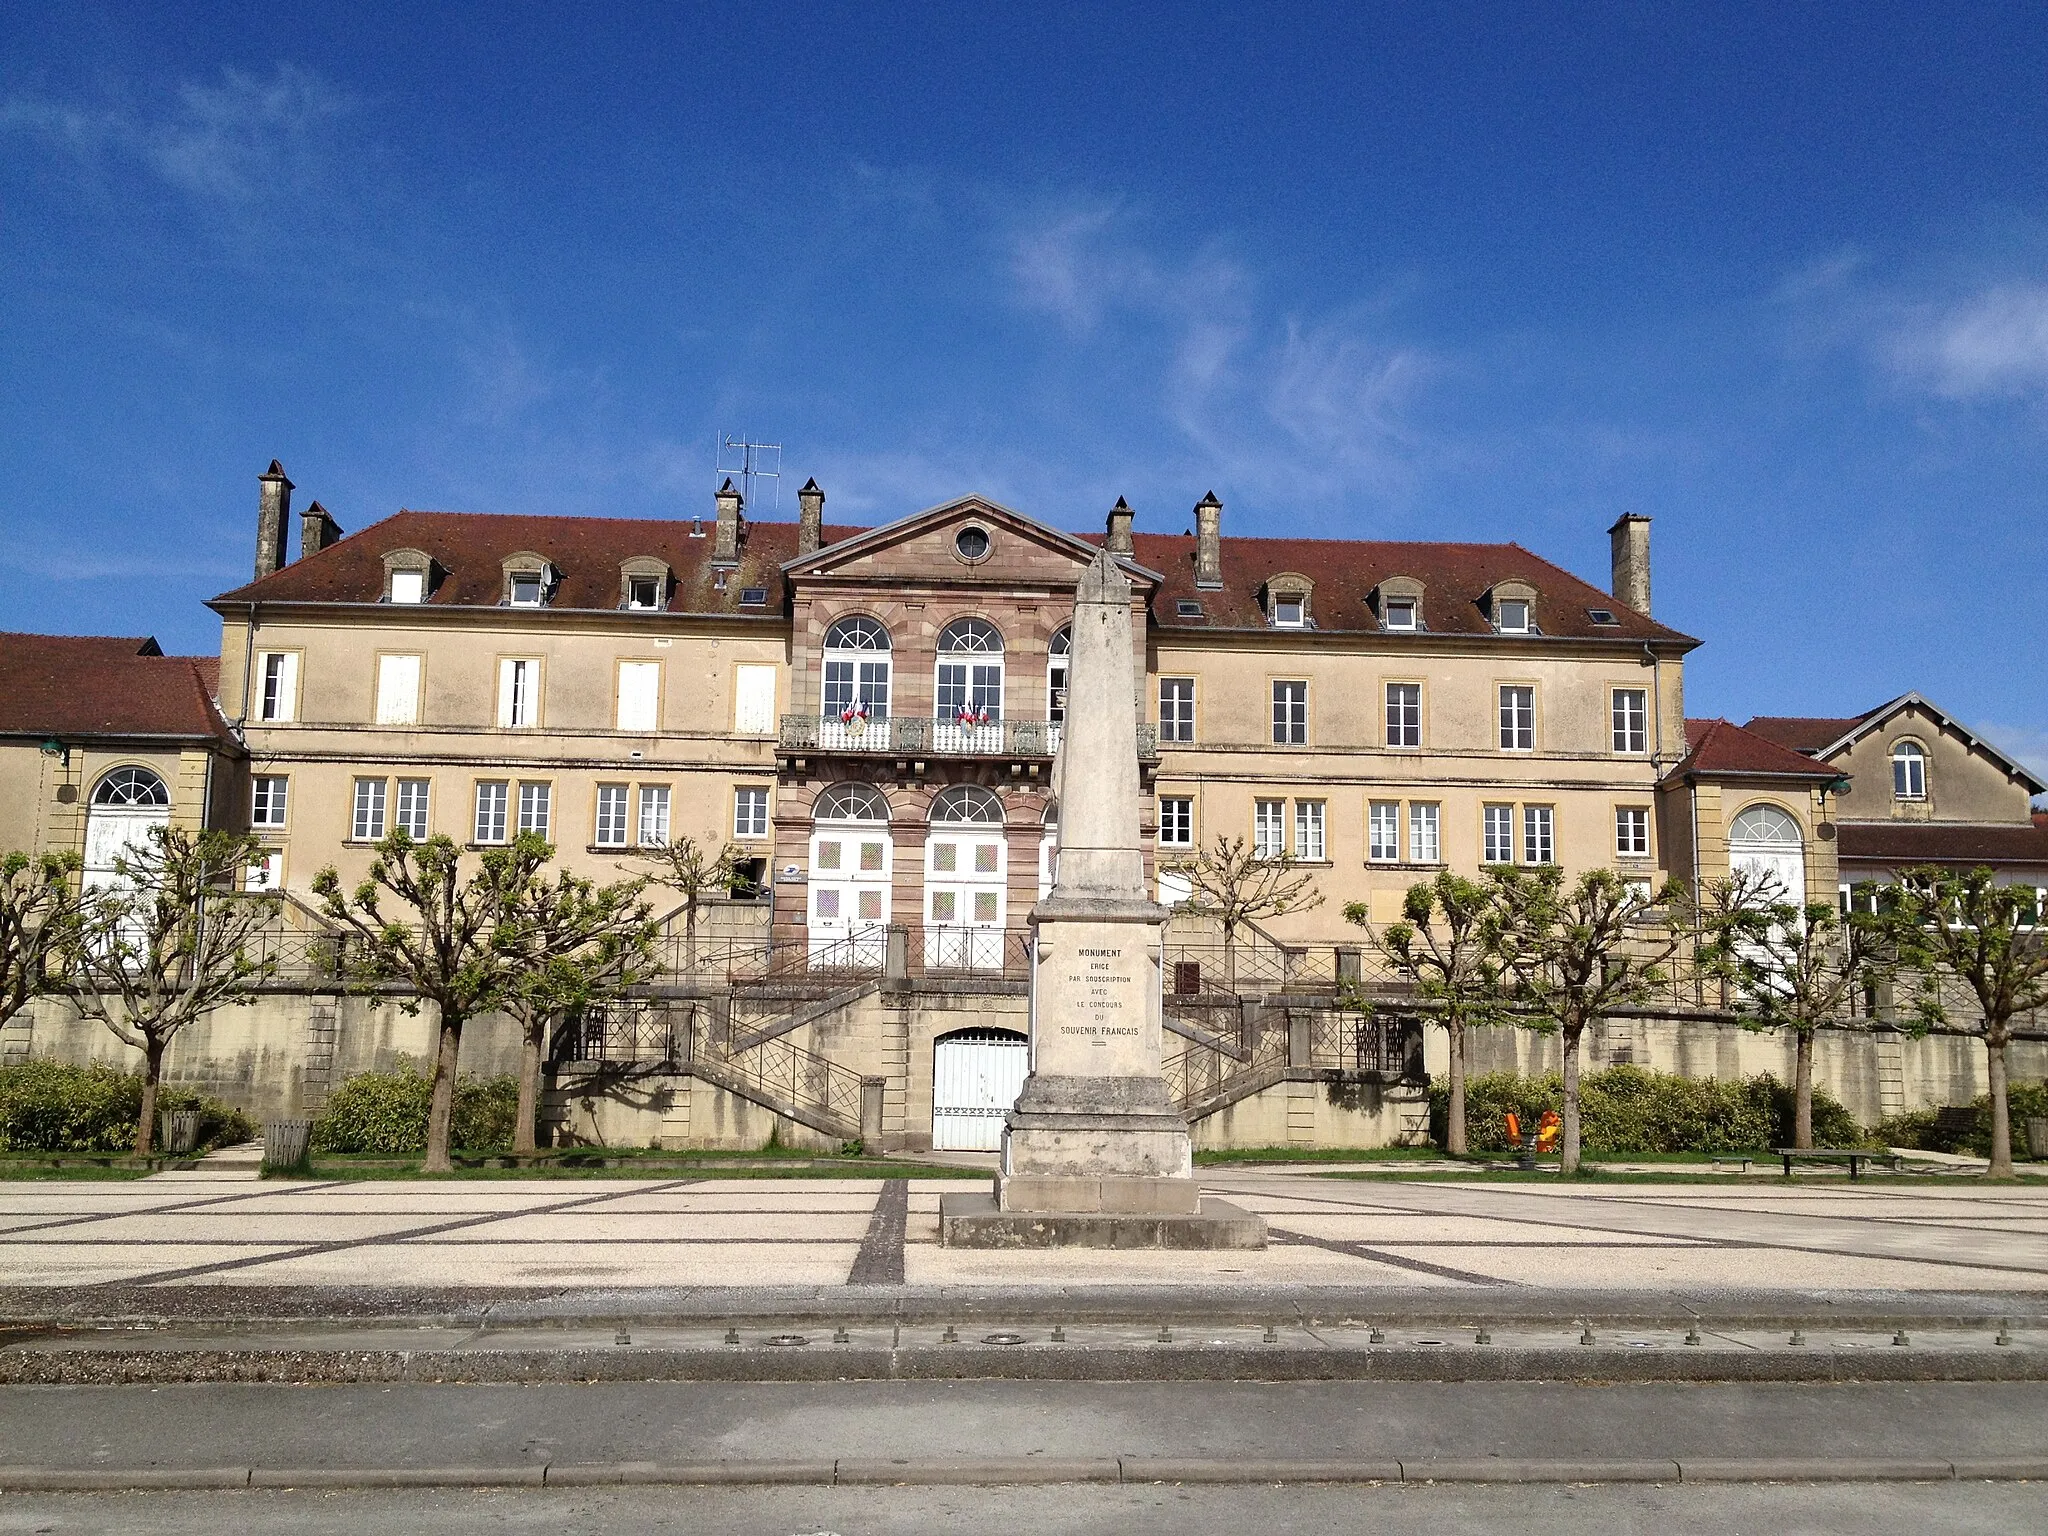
1454, 1129
1568, 1143
1230, 957
1802, 1093
441, 1109
152, 1073
523, 1129
2001, 1110
690, 934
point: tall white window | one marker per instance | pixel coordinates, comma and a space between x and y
1425, 844
1176, 821
970, 680
1632, 831
412, 807
653, 815
1909, 771
750, 812
279, 684
611, 815
1404, 714
639, 695
1499, 827
1631, 720
1308, 830
266, 800
1269, 828
857, 668
533, 808
1517, 719
367, 824
1383, 828
1176, 709
753, 700
1056, 676
398, 690
1290, 714
518, 692
1539, 845
491, 799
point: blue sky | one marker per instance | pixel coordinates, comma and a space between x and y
1775, 275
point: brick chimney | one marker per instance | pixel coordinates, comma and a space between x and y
317, 530
1629, 540
725, 548
273, 511
1209, 542
810, 518
1116, 537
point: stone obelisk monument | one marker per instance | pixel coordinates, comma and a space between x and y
1094, 1153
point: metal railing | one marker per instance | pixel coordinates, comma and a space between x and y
910, 735
941, 950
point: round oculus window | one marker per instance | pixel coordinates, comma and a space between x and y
971, 544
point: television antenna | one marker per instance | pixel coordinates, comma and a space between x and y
751, 461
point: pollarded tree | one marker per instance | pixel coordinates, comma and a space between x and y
448, 940
578, 944
38, 914
1239, 886
1572, 954
168, 942
1988, 937
694, 871
1441, 947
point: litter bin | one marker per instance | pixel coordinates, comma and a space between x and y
2037, 1137
180, 1131
285, 1143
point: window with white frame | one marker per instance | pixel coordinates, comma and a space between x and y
1499, 839
492, 798
750, 812
527, 589
1176, 821
1176, 709
1631, 720
412, 807
753, 699
409, 586
518, 692
534, 800
1517, 718
1269, 828
1058, 654
857, 668
1404, 714
1383, 832
643, 592
398, 690
1539, 843
653, 815
1632, 831
1289, 611
366, 825
266, 800
1909, 771
1398, 613
970, 671
1511, 616
1425, 841
1308, 831
611, 816
279, 683
639, 695
1290, 714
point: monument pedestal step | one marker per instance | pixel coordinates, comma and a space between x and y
975, 1221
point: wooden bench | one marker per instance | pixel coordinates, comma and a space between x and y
1730, 1157
1855, 1160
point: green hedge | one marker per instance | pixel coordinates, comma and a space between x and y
1625, 1110
52, 1106
387, 1112
1918, 1128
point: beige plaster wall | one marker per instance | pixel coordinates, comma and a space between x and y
1963, 782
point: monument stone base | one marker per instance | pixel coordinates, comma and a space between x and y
975, 1221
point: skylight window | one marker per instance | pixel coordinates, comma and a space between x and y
1187, 608
1602, 616
753, 597
1400, 613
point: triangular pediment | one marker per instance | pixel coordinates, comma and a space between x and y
969, 539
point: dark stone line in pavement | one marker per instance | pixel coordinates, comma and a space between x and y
1381, 1256
880, 1260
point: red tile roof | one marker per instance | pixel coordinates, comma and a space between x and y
1907, 842
70, 686
1803, 733
1717, 746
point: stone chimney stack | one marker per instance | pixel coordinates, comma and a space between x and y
317, 530
1629, 539
725, 548
273, 512
1116, 537
810, 518
1209, 542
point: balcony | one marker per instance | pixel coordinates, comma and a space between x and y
906, 736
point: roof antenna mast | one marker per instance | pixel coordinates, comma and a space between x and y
750, 460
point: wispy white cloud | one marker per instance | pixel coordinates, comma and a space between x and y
1990, 344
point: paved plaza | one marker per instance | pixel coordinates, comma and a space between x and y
207, 1228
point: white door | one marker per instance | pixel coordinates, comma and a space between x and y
1765, 840
976, 1077
850, 875
965, 874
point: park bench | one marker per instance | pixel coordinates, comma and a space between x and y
1742, 1163
1855, 1160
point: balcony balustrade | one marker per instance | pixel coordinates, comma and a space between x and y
911, 736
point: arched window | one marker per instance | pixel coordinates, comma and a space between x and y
970, 681
1056, 675
856, 670
131, 787
1765, 841
968, 803
851, 802
1909, 771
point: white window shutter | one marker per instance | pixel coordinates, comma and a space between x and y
288, 688
398, 690
507, 670
754, 701
639, 695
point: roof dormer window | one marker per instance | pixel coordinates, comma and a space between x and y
643, 592
1512, 607
1289, 613
408, 576
409, 586
529, 580
529, 589
1398, 602
1287, 601
1511, 616
644, 584
1400, 613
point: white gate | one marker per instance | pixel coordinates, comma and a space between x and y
976, 1077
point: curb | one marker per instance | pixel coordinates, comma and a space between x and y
992, 1470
